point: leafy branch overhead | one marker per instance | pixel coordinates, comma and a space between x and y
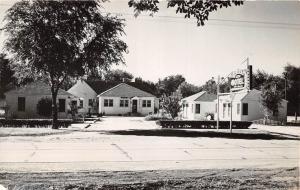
199, 9
63, 38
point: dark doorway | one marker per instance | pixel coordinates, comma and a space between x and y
134, 106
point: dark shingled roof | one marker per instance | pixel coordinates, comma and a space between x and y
207, 97
101, 86
36, 88
125, 90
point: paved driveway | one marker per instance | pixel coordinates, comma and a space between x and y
99, 148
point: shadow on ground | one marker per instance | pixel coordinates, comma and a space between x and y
212, 134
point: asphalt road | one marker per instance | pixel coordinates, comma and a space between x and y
95, 149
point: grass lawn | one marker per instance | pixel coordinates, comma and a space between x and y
280, 178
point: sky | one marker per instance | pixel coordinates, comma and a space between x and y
167, 44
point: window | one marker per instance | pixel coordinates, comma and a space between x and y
61, 105
105, 102
146, 103
111, 103
21, 103
80, 103
245, 108
91, 102
229, 105
108, 102
197, 108
224, 108
238, 108
216, 108
124, 103
192, 108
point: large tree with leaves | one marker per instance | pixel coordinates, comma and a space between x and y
7, 79
169, 84
291, 76
187, 89
199, 9
118, 75
62, 39
271, 99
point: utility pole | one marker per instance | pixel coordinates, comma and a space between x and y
285, 84
231, 101
218, 102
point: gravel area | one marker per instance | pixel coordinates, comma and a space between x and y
280, 178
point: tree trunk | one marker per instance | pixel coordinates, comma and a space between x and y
54, 109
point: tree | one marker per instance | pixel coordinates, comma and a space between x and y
169, 84
187, 89
118, 76
210, 86
199, 9
292, 76
259, 79
171, 104
271, 99
147, 86
62, 39
7, 79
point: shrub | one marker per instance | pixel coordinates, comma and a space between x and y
33, 123
155, 117
44, 107
209, 115
171, 104
198, 124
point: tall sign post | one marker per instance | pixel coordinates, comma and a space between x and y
239, 80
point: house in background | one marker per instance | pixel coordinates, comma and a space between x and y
124, 99
196, 107
22, 102
88, 91
106, 97
246, 106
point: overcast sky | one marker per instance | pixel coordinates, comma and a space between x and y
163, 45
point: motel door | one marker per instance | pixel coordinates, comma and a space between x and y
134, 106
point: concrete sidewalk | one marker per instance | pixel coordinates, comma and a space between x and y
288, 130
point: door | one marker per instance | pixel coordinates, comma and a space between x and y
134, 106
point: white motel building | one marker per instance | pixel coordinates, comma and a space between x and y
245, 102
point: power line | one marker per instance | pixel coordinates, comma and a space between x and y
227, 25
292, 26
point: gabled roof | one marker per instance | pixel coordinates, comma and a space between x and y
36, 88
202, 96
101, 86
125, 90
207, 97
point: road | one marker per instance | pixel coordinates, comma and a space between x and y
96, 149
